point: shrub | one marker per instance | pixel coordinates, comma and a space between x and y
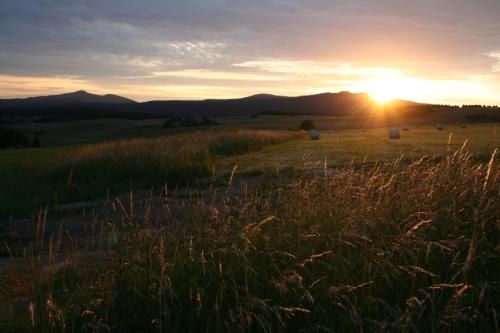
208, 122
36, 142
189, 122
307, 125
12, 138
169, 124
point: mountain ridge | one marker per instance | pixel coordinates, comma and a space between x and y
75, 97
80, 105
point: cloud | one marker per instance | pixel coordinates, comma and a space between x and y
495, 55
314, 68
304, 44
220, 75
14, 86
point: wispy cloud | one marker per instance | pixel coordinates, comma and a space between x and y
220, 75
16, 86
315, 68
495, 55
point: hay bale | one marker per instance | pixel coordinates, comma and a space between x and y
394, 134
406, 128
314, 134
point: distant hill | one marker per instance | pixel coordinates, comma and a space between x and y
326, 103
73, 98
264, 96
83, 105
78, 105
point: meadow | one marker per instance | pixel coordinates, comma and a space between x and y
57, 175
33, 178
384, 247
251, 230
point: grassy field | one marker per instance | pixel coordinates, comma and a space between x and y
102, 130
272, 232
341, 146
34, 178
387, 247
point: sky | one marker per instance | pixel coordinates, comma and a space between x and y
440, 51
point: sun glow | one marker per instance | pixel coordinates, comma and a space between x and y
385, 89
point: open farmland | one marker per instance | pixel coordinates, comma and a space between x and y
252, 230
399, 245
33, 178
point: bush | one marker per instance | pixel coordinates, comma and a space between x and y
189, 122
169, 123
12, 138
307, 125
36, 142
208, 122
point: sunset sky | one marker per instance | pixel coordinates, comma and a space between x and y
429, 50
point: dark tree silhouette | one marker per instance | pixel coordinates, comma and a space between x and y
36, 142
189, 122
11, 138
169, 123
208, 122
307, 125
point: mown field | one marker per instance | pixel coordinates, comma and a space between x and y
102, 130
54, 175
272, 233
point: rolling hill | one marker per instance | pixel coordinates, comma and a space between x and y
77, 97
83, 105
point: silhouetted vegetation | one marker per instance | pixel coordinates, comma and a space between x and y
10, 138
188, 122
36, 142
205, 121
170, 123
307, 125
482, 118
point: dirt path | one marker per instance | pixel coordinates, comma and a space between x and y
76, 222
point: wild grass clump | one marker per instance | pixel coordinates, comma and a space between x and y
177, 158
90, 172
389, 247
235, 144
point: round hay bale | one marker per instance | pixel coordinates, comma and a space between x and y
394, 134
314, 134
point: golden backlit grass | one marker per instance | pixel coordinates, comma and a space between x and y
53, 176
384, 247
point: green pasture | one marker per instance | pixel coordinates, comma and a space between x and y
341, 146
29, 180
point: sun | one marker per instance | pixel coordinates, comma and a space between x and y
382, 95
387, 88
384, 90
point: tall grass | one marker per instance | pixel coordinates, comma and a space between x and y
179, 158
89, 172
387, 247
